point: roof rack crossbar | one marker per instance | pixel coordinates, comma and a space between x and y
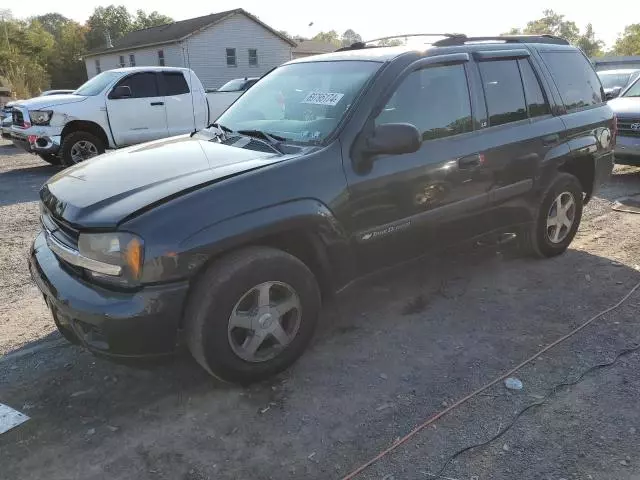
360, 45
462, 39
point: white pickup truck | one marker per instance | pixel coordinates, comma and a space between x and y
114, 109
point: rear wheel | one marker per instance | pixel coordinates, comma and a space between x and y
50, 158
80, 146
558, 218
252, 314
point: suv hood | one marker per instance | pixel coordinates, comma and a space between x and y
102, 192
626, 106
37, 103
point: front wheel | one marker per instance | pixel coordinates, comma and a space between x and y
80, 146
252, 314
558, 218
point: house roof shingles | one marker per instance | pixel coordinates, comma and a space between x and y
172, 32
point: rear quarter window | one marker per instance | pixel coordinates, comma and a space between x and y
577, 81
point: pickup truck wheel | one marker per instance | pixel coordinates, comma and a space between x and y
558, 217
50, 158
80, 146
252, 314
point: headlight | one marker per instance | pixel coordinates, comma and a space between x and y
40, 117
121, 249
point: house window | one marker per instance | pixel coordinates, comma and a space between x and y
98, 69
253, 57
132, 60
231, 57
161, 58
122, 64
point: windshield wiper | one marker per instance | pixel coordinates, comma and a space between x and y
269, 138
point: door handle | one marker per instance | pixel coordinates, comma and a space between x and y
471, 161
156, 104
550, 139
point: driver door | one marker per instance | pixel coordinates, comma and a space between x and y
142, 116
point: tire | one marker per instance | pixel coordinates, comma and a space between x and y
540, 239
231, 286
50, 158
76, 139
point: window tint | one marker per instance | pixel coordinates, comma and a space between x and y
435, 100
575, 78
503, 91
231, 57
174, 83
536, 103
142, 85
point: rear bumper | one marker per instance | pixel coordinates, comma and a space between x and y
627, 150
143, 323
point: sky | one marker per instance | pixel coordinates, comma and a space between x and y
369, 19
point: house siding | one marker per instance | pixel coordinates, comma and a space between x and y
208, 57
145, 57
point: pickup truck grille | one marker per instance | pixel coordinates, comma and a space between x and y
629, 127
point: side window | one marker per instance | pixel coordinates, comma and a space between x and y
435, 100
122, 64
231, 57
575, 78
132, 60
98, 69
142, 85
503, 91
174, 83
536, 103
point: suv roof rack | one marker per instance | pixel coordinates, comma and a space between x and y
463, 39
360, 45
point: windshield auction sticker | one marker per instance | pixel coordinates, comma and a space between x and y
321, 98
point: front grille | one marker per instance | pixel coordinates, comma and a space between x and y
60, 230
629, 127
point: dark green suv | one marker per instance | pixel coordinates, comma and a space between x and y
329, 168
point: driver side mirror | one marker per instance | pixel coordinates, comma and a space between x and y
121, 91
613, 93
393, 139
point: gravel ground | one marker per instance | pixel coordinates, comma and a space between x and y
390, 353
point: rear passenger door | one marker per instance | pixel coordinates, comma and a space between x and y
179, 106
518, 131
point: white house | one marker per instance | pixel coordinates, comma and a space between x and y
218, 47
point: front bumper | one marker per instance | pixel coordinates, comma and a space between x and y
142, 323
627, 150
36, 144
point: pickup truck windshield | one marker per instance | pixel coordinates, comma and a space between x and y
633, 90
302, 102
611, 80
233, 85
96, 84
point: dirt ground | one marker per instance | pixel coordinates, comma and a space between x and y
390, 352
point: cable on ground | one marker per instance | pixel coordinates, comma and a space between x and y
465, 399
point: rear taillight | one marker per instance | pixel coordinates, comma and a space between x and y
614, 130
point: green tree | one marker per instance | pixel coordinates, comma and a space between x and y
113, 20
153, 19
53, 23
589, 44
328, 37
66, 68
350, 37
628, 43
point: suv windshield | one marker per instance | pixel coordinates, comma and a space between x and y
633, 90
611, 80
233, 85
97, 84
302, 102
